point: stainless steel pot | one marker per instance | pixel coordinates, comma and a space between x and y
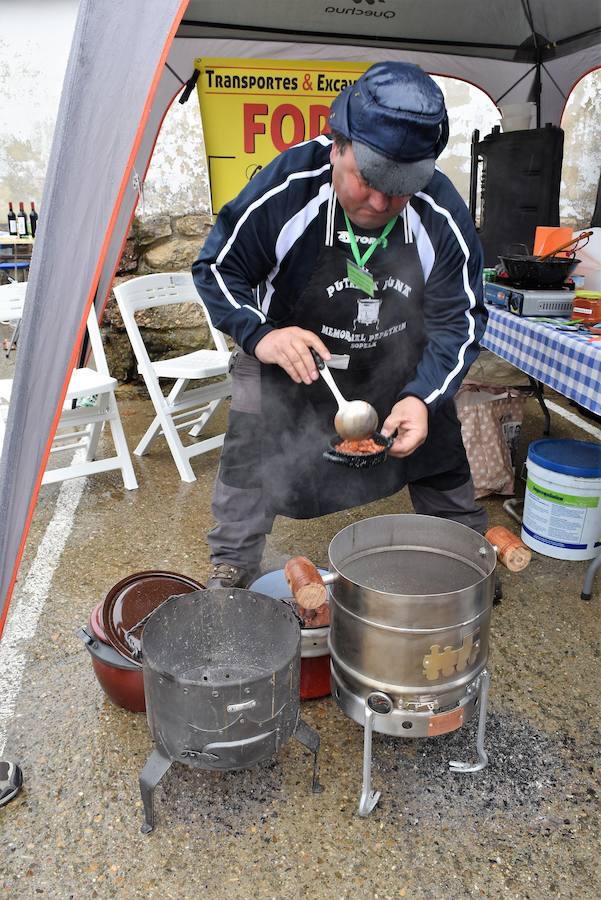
411, 599
401, 587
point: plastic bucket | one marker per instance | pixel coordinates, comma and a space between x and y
517, 116
515, 123
562, 504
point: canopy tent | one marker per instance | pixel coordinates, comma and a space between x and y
130, 59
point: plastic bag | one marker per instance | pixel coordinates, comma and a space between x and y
491, 419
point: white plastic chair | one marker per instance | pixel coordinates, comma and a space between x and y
12, 299
80, 427
183, 407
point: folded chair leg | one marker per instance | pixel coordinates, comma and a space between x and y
212, 408
154, 430
127, 469
164, 421
94, 432
95, 429
149, 436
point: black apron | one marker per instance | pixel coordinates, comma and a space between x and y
384, 338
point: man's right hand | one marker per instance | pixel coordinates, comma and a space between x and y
289, 348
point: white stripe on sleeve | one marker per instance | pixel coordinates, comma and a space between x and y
290, 233
313, 173
424, 246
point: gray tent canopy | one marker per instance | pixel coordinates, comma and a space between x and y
130, 59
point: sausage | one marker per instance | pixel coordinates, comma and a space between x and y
305, 582
511, 550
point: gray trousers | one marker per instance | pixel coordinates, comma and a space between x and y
239, 536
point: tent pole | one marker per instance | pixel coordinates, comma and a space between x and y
474, 173
538, 85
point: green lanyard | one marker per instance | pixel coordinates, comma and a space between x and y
361, 260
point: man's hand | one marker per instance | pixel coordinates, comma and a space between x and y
289, 348
410, 416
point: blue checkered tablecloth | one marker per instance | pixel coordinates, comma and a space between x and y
564, 361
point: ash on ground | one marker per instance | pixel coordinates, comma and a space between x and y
528, 774
228, 802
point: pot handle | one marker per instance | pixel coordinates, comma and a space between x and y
523, 249
305, 582
136, 650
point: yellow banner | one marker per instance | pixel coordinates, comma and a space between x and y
253, 109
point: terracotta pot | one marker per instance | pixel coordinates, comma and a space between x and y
120, 678
315, 659
107, 637
315, 677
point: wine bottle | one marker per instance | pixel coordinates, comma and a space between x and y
22, 230
12, 221
33, 219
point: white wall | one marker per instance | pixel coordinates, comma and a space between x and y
582, 151
35, 37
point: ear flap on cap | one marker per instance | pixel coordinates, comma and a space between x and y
443, 139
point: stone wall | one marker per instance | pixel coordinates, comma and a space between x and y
159, 244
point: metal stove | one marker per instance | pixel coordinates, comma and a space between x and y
410, 601
222, 684
423, 715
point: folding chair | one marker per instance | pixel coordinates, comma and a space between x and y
80, 426
183, 407
12, 299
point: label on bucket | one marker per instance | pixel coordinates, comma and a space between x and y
557, 518
559, 497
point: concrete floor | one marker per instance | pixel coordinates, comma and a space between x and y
526, 827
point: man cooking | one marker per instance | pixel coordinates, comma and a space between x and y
354, 245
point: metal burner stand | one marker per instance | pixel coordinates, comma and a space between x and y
208, 757
415, 718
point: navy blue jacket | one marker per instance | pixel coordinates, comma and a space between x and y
258, 256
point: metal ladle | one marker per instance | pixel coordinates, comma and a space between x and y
355, 419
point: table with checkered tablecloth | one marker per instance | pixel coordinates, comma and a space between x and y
568, 362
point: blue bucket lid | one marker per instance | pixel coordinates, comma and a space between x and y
580, 458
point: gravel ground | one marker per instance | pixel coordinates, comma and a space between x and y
526, 827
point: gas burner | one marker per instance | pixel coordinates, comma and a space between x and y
410, 599
415, 718
546, 302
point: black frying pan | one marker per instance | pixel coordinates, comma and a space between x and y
530, 272
361, 460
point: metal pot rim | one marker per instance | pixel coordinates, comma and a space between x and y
337, 568
552, 260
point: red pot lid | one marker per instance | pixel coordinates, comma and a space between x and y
96, 623
135, 597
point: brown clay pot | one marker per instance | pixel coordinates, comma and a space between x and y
107, 638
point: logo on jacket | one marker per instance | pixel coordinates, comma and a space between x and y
368, 312
389, 283
343, 237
